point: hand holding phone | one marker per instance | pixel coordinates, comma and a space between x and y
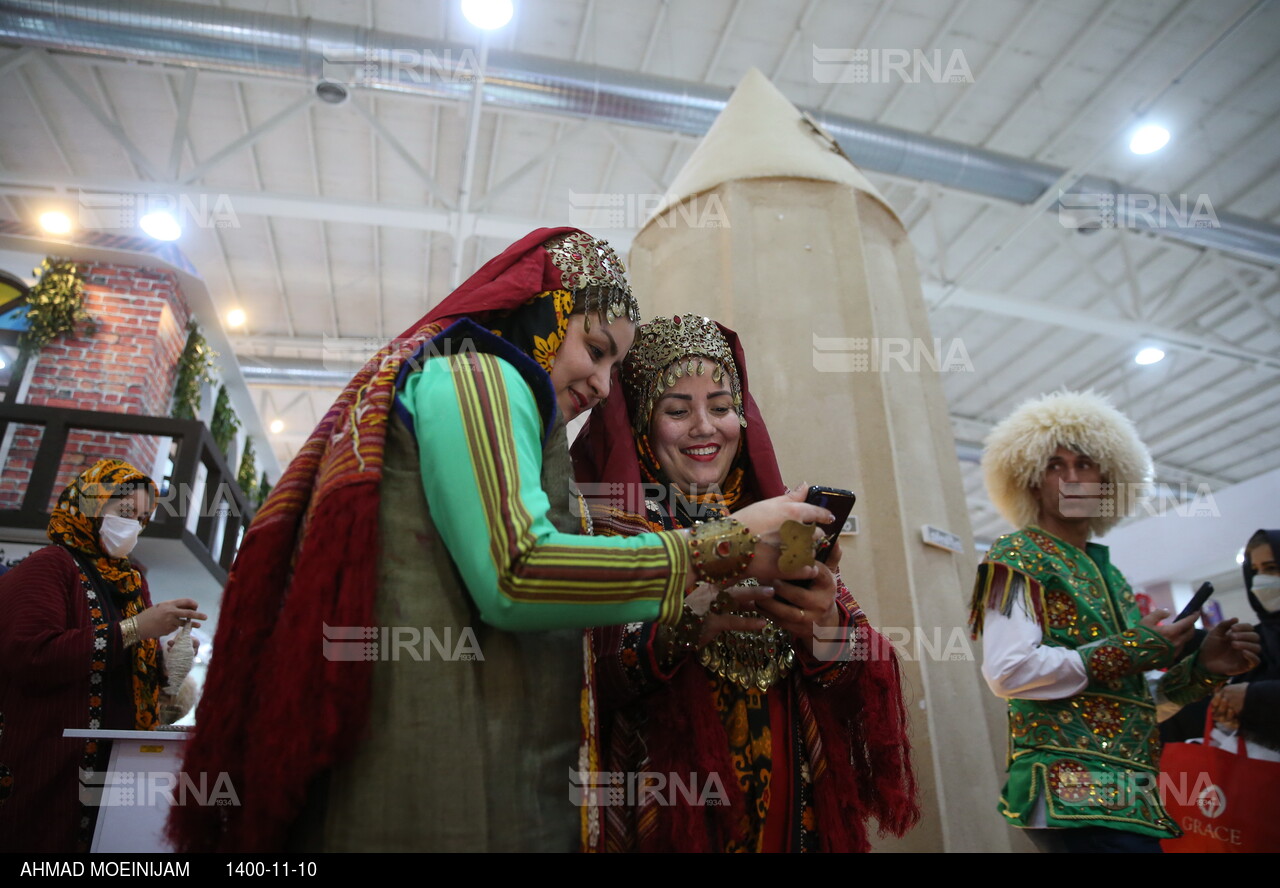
1197, 601
839, 503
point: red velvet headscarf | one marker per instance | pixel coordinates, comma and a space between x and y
862, 767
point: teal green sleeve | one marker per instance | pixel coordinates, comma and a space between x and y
479, 439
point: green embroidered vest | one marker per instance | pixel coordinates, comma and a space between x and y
1093, 757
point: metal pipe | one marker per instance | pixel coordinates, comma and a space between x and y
250, 43
313, 373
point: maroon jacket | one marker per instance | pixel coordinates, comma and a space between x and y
46, 648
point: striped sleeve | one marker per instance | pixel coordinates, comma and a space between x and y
997, 587
479, 440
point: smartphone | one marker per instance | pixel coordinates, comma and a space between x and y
839, 503
1197, 601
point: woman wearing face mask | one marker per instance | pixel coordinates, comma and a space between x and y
793, 742
1251, 702
430, 513
78, 649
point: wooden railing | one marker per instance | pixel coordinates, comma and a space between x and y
220, 495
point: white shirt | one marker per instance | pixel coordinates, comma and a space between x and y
1016, 664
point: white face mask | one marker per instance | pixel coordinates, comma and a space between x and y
119, 535
1267, 590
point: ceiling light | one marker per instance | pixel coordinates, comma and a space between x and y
1149, 138
235, 317
161, 226
1149, 355
277, 426
55, 222
1240, 556
3, 364
488, 15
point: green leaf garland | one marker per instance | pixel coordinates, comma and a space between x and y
194, 370
56, 305
247, 476
225, 423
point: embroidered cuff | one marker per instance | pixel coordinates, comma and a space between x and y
1187, 681
1132, 651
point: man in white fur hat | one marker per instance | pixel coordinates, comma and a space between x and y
1064, 641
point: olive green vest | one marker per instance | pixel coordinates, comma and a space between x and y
472, 731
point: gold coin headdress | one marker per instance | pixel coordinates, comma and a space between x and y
592, 270
667, 349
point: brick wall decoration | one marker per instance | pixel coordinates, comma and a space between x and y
128, 366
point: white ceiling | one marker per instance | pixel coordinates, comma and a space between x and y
341, 218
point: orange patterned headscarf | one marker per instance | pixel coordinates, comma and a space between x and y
75, 523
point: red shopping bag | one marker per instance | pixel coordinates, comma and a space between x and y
1224, 801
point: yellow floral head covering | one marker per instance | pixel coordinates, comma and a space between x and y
75, 523
77, 517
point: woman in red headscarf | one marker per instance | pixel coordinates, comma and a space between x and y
790, 742
78, 649
394, 664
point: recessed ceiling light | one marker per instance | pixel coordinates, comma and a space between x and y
488, 15
55, 222
1149, 138
277, 426
161, 226
235, 317
1149, 355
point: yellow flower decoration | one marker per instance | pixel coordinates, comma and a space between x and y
564, 304
544, 350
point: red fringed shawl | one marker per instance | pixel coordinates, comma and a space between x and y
855, 731
275, 713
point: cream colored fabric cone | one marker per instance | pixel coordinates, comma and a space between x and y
770, 231
738, 146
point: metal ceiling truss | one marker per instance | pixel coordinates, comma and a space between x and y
259, 44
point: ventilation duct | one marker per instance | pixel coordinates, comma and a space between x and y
259, 44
